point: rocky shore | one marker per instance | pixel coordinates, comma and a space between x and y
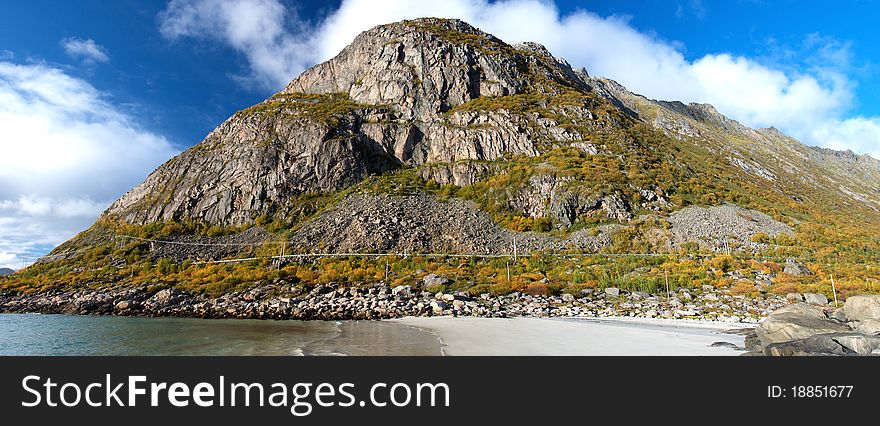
279, 300
797, 324
812, 327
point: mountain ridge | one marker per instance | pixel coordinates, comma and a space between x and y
431, 136
420, 94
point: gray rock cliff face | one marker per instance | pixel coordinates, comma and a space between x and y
386, 100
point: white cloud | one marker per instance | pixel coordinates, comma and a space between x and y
9, 260
65, 153
850, 133
35, 205
85, 50
810, 104
267, 33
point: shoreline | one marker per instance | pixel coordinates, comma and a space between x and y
380, 301
433, 336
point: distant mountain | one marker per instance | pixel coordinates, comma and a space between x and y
5, 271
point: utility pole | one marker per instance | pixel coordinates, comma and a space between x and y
281, 257
666, 276
514, 249
834, 290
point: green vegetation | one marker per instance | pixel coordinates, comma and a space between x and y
480, 42
108, 266
328, 108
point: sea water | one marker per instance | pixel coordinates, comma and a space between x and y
34, 334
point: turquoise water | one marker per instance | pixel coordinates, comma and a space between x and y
31, 334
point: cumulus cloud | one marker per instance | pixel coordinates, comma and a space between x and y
850, 134
810, 102
65, 153
85, 50
271, 36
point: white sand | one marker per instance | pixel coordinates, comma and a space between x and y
615, 336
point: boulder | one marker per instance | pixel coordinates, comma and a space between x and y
815, 299
796, 322
795, 268
869, 327
810, 346
435, 283
438, 306
612, 291
794, 297
838, 314
402, 291
164, 298
861, 308
858, 343
639, 295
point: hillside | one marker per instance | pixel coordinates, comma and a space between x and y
5, 271
430, 136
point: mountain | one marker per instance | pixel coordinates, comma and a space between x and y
430, 135
5, 271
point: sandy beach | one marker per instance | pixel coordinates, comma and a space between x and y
607, 336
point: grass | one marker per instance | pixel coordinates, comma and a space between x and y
327, 108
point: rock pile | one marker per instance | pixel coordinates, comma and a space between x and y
814, 328
422, 224
280, 300
717, 227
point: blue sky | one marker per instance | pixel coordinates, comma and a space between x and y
102, 92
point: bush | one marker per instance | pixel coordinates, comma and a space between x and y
761, 238
538, 289
542, 224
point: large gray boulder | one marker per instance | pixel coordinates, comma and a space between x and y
861, 308
795, 322
810, 346
869, 327
858, 343
815, 299
826, 344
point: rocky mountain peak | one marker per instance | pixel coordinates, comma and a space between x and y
428, 66
409, 93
